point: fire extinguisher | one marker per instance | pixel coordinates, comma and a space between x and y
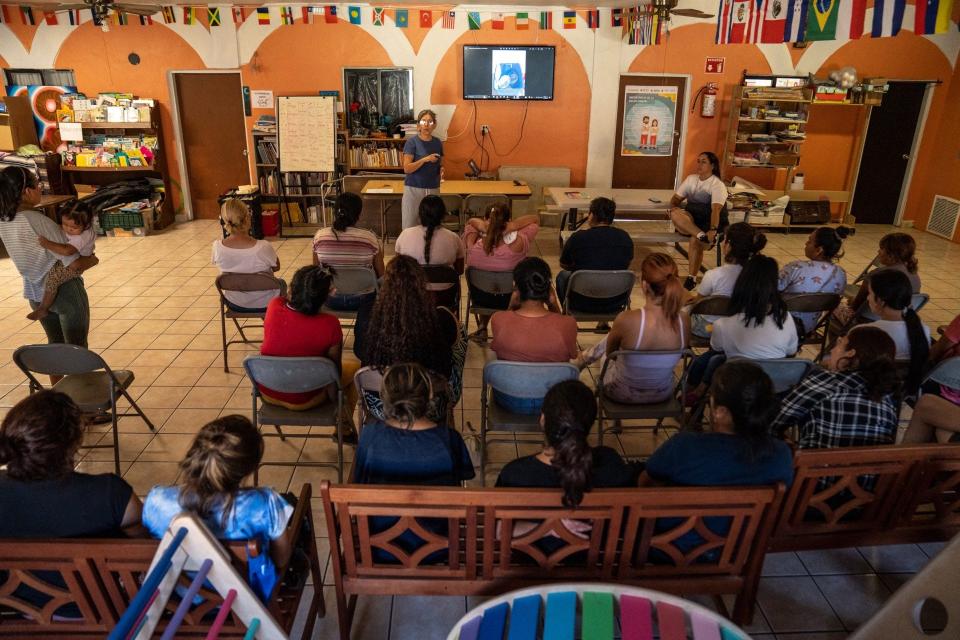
708, 100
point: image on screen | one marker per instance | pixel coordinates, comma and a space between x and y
508, 73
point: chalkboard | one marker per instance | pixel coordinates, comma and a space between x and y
307, 133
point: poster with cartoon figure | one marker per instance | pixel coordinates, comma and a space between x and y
648, 117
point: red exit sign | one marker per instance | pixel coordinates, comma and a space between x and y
714, 65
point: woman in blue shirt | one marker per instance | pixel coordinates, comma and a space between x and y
421, 164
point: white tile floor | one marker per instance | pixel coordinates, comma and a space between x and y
154, 310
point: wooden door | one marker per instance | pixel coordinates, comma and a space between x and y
644, 162
886, 153
213, 135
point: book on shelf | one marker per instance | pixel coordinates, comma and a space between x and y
266, 124
267, 152
372, 156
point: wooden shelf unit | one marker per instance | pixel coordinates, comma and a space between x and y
371, 143
16, 123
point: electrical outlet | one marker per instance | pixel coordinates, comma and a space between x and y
484, 129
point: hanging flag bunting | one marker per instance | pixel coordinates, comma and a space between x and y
26, 15
850, 18
593, 18
188, 15
119, 18
402, 18
932, 16
616, 17
496, 21
353, 13
238, 16
169, 17
330, 14
426, 18
523, 22
307, 14
796, 28
546, 19
146, 21
73, 15
5, 15
50, 17
263, 15
473, 20
449, 20
740, 20
569, 19
213, 16
773, 21
822, 20
634, 26
887, 17
378, 16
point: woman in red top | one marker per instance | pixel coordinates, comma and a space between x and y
295, 327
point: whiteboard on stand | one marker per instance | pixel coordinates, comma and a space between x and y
307, 133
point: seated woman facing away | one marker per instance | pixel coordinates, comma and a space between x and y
819, 273
660, 325
241, 253
223, 454
410, 446
741, 241
496, 243
346, 245
850, 403
41, 496
567, 460
430, 242
936, 416
897, 252
738, 449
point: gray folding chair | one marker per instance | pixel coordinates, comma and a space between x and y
823, 304
917, 301
476, 205
297, 375
526, 380
708, 306
446, 289
853, 288
352, 281
672, 407
248, 283
785, 373
455, 215
599, 285
946, 372
491, 282
87, 379
368, 382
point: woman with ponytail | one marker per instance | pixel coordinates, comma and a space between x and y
346, 245
819, 273
738, 449
430, 242
897, 252
240, 252
850, 402
567, 460
661, 325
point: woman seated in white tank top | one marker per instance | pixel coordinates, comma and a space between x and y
660, 325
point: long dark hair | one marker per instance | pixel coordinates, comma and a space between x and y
873, 360
224, 452
309, 289
346, 211
498, 216
531, 277
830, 240
432, 213
10, 193
714, 162
747, 393
902, 247
569, 409
405, 324
756, 294
743, 241
893, 289
40, 436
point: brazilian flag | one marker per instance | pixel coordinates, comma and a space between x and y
822, 20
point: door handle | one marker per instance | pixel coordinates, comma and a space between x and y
906, 156
245, 153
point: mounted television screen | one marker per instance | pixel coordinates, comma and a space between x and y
493, 72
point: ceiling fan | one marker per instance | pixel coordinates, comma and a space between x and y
666, 8
100, 9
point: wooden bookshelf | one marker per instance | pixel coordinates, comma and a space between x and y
365, 147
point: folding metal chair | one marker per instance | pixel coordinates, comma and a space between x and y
917, 301
445, 296
672, 407
454, 206
708, 306
599, 285
490, 282
785, 373
526, 380
822, 304
243, 282
352, 281
476, 205
87, 379
368, 381
297, 375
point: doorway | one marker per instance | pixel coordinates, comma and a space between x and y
213, 137
649, 156
892, 137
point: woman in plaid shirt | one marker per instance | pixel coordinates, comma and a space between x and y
850, 403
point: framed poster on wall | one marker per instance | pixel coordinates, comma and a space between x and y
648, 119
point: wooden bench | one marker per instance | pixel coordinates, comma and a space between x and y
870, 496
99, 578
464, 551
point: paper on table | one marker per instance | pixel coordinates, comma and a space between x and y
71, 132
380, 190
745, 186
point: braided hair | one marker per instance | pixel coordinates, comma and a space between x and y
569, 409
432, 212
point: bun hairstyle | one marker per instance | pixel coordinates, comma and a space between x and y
660, 272
346, 211
893, 289
409, 393
569, 409
309, 289
743, 242
498, 216
225, 451
714, 162
604, 210
235, 216
901, 247
432, 212
873, 360
756, 293
40, 435
10, 195
830, 240
532, 279
747, 393
81, 215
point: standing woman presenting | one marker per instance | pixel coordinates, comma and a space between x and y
705, 211
421, 164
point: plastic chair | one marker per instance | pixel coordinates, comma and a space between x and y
491, 282
454, 206
475, 205
445, 296
527, 380
352, 281
784, 372
601, 285
708, 306
87, 379
821, 303
368, 382
243, 282
672, 407
297, 375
